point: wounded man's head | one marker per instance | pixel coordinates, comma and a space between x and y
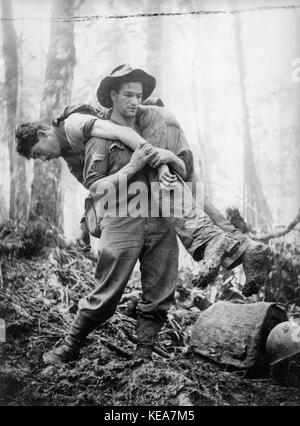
37, 140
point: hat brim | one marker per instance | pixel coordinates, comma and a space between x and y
103, 93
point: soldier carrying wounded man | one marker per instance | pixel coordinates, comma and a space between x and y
118, 143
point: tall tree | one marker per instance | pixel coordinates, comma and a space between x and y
46, 196
18, 192
118, 37
203, 132
255, 206
154, 46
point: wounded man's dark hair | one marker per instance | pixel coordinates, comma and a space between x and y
26, 136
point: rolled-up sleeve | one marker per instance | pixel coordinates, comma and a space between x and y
96, 161
78, 128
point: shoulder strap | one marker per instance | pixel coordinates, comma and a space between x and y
82, 108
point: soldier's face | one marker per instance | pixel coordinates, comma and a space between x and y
47, 147
127, 99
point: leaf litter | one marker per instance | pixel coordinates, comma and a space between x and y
38, 299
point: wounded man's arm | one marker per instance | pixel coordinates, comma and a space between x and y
81, 127
108, 130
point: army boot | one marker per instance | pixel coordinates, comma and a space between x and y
255, 258
256, 264
215, 251
69, 349
147, 332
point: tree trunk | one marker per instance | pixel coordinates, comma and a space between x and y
118, 37
18, 191
255, 207
202, 134
154, 48
46, 197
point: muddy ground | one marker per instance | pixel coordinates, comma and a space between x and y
38, 299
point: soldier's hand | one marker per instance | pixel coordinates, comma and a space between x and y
141, 156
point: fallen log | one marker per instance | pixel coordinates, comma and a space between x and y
235, 334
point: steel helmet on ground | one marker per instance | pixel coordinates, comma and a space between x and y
283, 341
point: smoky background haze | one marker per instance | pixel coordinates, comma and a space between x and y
231, 79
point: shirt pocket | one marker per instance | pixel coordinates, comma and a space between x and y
97, 162
119, 156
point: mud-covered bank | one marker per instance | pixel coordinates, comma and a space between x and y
38, 300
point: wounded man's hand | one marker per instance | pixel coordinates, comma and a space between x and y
166, 177
160, 156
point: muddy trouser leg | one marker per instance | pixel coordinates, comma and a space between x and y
159, 269
254, 256
119, 249
216, 216
186, 216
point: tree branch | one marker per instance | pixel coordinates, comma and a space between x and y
280, 233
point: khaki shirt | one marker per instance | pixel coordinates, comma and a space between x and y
156, 124
72, 135
106, 157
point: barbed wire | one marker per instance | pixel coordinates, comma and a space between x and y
150, 15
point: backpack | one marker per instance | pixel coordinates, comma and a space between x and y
94, 109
